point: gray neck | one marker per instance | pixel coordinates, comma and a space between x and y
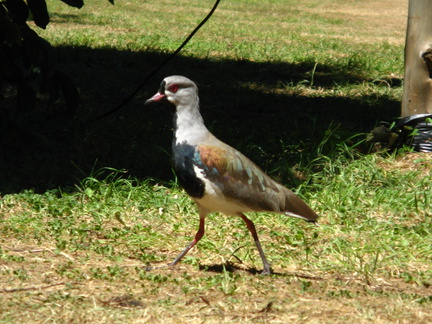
189, 125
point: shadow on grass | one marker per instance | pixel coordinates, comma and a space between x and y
228, 267
231, 267
47, 148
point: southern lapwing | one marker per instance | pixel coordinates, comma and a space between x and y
218, 177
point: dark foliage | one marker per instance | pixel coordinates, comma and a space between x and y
47, 141
34, 93
275, 130
29, 78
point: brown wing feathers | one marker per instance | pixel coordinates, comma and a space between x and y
243, 180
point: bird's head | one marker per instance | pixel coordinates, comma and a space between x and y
177, 90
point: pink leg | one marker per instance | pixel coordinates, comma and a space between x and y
251, 227
198, 237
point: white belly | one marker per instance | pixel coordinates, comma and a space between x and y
215, 201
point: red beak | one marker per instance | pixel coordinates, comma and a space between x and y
157, 97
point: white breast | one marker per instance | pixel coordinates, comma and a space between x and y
214, 200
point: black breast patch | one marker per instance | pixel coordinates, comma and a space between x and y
184, 155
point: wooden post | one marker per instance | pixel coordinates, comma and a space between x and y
417, 94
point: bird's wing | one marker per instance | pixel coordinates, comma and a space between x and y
240, 179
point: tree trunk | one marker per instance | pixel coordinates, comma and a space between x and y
417, 94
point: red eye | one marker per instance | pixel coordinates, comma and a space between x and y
173, 88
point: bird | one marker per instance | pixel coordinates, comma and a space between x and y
217, 176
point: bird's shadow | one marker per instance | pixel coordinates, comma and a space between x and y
231, 267
235, 268
228, 267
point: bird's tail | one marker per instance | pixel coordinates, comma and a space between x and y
295, 207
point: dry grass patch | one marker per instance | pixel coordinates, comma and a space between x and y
420, 163
60, 287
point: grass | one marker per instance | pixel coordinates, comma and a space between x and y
84, 252
294, 85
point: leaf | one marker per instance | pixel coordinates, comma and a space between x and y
18, 10
117, 216
40, 12
11, 31
48, 85
69, 90
89, 192
47, 51
74, 3
26, 98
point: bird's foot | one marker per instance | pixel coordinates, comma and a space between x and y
267, 271
167, 266
150, 268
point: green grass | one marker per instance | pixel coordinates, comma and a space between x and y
282, 32
295, 85
369, 249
